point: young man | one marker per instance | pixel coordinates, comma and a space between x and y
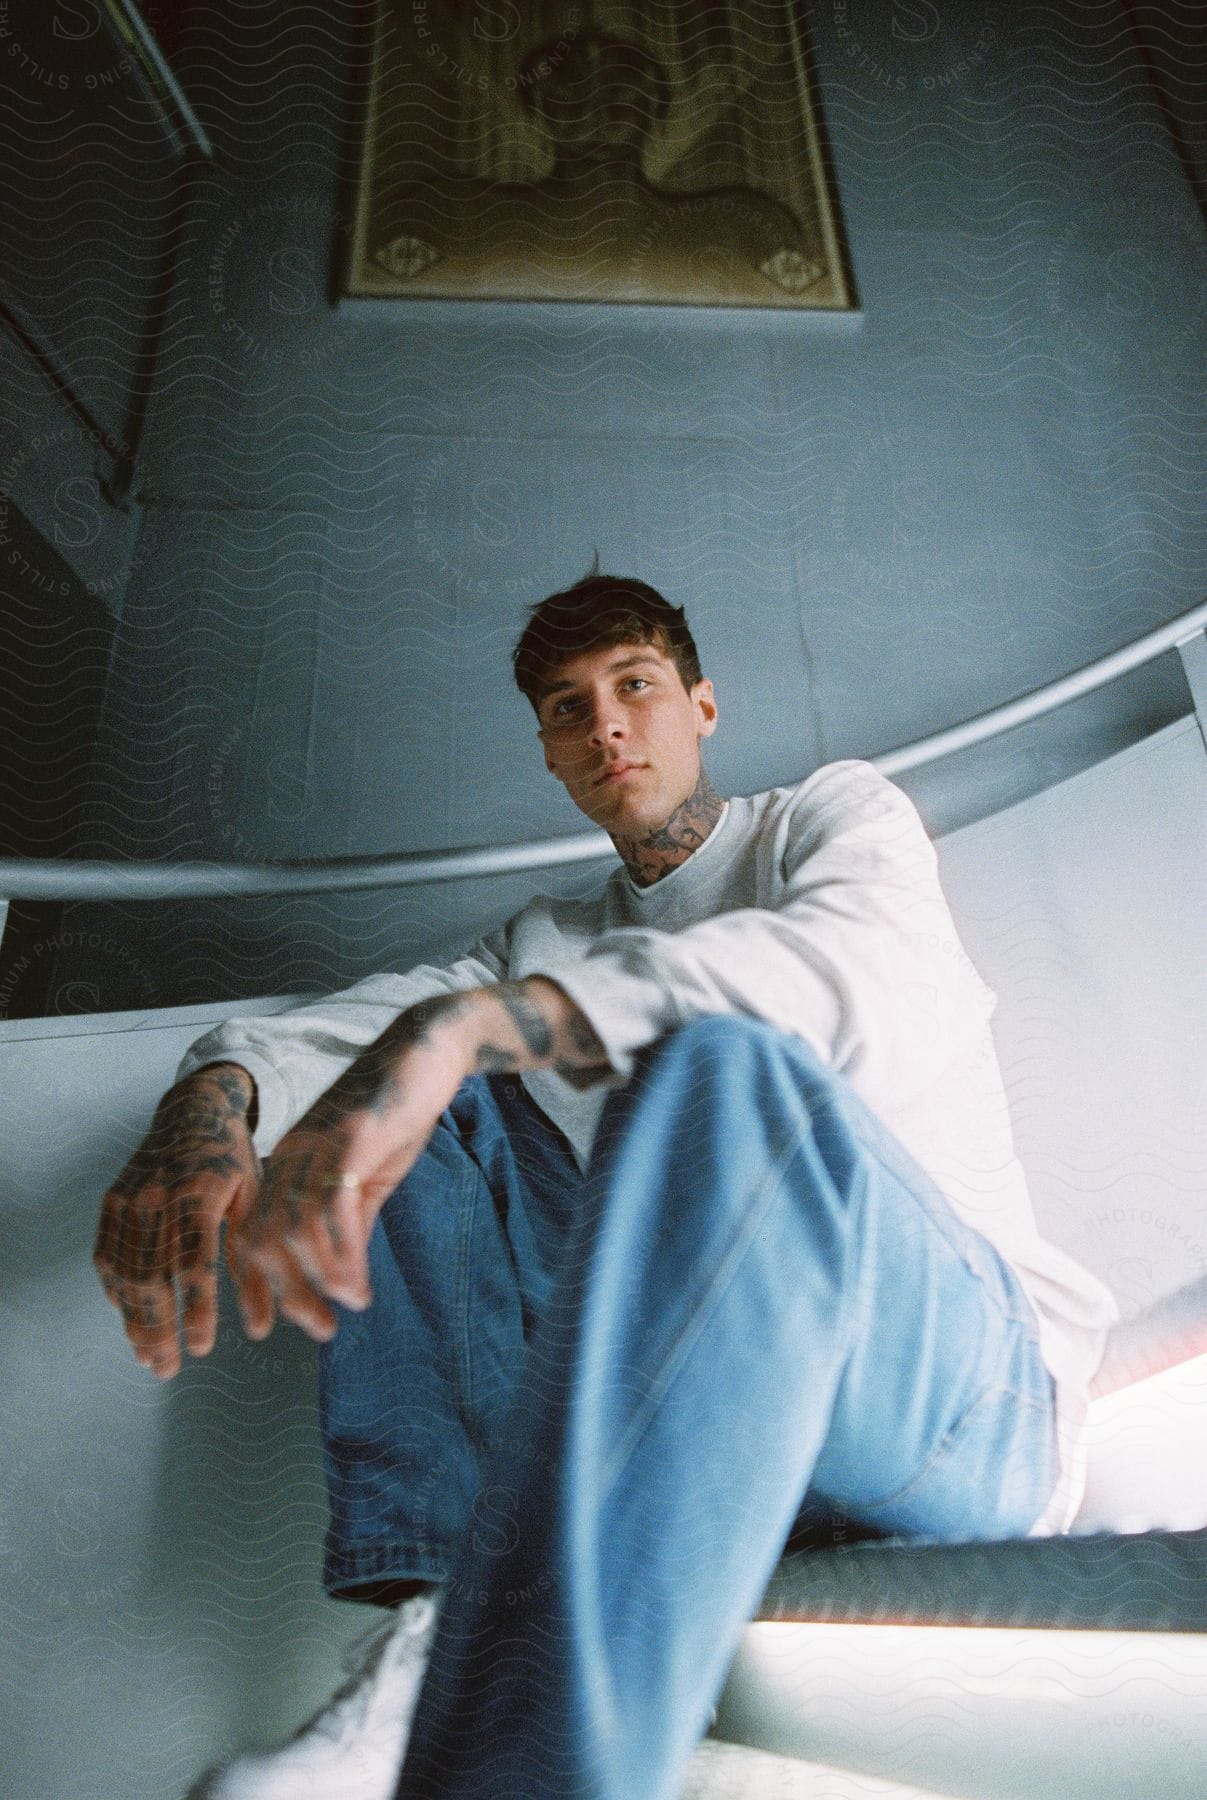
657, 1225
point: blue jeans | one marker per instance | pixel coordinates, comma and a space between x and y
597, 1407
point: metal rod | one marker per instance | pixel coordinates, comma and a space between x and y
45, 879
193, 127
48, 363
1045, 699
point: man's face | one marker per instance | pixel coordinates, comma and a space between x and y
622, 734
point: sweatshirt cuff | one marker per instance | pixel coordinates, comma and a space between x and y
272, 1095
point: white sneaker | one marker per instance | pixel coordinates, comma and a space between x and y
352, 1748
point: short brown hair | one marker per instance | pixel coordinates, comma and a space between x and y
597, 610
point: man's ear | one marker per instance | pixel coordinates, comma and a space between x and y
705, 705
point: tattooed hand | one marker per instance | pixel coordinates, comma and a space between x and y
305, 1240
157, 1243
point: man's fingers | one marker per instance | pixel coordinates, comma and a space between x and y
104, 1249
291, 1291
156, 1246
299, 1303
335, 1250
253, 1292
283, 1253
310, 1220
336, 1255
131, 1242
156, 1250
148, 1307
130, 1254
149, 1311
307, 1235
194, 1261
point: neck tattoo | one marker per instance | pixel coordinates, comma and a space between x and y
654, 855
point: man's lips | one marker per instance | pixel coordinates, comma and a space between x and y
615, 773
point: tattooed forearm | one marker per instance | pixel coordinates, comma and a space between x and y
528, 1020
371, 1083
549, 1030
505, 1028
586, 1040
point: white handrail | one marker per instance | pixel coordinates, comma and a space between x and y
47, 879
1046, 699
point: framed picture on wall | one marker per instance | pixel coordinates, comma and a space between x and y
598, 151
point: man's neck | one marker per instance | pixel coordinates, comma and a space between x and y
650, 857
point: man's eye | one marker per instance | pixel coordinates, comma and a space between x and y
638, 681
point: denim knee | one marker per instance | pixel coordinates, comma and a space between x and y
737, 1035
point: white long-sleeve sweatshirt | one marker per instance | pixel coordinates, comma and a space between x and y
817, 908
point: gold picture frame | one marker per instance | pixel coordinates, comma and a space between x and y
593, 153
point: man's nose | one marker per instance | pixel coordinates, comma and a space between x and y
607, 722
